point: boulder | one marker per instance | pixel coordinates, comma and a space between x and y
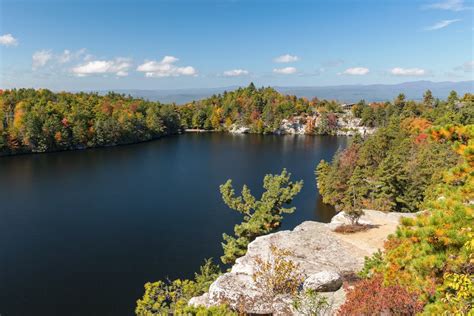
325, 281
370, 217
202, 300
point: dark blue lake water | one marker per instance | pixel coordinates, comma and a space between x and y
82, 231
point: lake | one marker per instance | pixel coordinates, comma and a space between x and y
82, 231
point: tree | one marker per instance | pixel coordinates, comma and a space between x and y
391, 183
400, 101
260, 216
358, 108
216, 118
368, 116
171, 297
453, 97
353, 201
428, 99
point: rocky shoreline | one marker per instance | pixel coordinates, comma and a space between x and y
323, 256
346, 125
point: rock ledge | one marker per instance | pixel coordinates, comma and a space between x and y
322, 255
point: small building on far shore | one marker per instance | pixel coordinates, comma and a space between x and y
347, 106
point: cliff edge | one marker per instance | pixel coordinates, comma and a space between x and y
324, 257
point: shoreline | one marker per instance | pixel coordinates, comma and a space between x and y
189, 130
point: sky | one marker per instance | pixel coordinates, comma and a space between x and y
182, 44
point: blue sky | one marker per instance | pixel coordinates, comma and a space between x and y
173, 44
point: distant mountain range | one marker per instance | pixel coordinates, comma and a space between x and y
344, 93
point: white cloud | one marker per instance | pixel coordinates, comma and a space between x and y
169, 60
441, 24
287, 58
118, 66
356, 71
452, 5
236, 73
468, 66
41, 58
285, 71
165, 68
8, 40
67, 56
397, 71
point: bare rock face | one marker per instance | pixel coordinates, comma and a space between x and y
326, 281
293, 126
349, 125
322, 256
314, 248
239, 129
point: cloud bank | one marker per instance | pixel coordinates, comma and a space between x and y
41, 58
165, 68
118, 66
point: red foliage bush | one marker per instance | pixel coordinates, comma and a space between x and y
371, 297
421, 138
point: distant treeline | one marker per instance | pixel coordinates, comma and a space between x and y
40, 120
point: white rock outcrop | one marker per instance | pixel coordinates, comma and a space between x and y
323, 256
239, 130
325, 281
349, 126
293, 126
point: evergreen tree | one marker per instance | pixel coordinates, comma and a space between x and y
428, 99
260, 216
400, 101
353, 202
453, 97
391, 181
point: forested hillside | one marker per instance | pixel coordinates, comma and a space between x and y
393, 169
41, 121
427, 267
421, 161
262, 110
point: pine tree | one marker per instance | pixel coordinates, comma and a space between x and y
260, 216
428, 99
391, 181
353, 201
